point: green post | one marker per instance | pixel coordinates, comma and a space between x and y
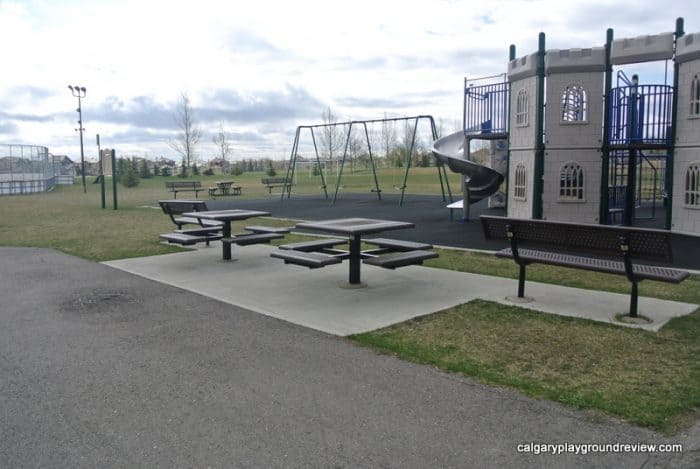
114, 179
538, 188
102, 173
632, 155
605, 150
672, 137
511, 57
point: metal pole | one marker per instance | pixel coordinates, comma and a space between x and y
342, 164
318, 161
82, 152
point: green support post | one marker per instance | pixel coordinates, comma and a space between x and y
102, 173
604, 209
114, 179
538, 188
672, 137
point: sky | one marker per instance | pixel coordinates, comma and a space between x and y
261, 68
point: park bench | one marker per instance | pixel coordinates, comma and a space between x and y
224, 188
600, 248
184, 186
271, 183
204, 230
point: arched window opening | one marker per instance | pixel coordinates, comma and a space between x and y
695, 96
520, 185
574, 105
521, 108
692, 185
571, 186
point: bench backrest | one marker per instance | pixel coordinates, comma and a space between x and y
603, 240
176, 207
182, 184
273, 180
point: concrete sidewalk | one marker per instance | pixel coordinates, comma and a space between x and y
313, 298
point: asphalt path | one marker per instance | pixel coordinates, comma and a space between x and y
101, 368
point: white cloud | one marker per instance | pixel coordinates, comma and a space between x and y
265, 67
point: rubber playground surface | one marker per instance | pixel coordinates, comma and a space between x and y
431, 217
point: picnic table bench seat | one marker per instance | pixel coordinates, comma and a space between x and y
399, 245
186, 239
252, 238
184, 186
312, 260
203, 230
400, 259
600, 248
315, 245
267, 229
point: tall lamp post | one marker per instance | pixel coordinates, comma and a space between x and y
79, 92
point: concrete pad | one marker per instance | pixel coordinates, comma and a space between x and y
315, 298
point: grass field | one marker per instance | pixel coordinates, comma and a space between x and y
650, 379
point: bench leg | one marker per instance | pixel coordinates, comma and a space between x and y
521, 282
633, 300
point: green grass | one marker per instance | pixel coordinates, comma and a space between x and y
650, 379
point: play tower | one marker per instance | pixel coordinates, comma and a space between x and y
590, 143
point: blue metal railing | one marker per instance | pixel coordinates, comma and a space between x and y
486, 108
640, 114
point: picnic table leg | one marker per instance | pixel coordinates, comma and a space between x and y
226, 247
355, 260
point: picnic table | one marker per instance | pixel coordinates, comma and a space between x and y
227, 217
354, 229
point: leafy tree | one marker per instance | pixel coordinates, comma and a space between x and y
195, 170
145, 171
237, 169
208, 172
166, 171
270, 169
129, 177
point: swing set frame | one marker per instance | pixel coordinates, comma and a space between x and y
442, 172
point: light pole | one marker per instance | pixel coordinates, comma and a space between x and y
79, 92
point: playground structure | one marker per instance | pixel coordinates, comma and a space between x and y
362, 124
582, 148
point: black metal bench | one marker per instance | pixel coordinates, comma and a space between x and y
204, 230
184, 186
273, 182
600, 248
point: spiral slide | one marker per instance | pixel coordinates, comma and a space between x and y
482, 180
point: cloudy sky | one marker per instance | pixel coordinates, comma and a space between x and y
263, 67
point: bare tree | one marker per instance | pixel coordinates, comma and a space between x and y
223, 143
387, 136
189, 133
331, 137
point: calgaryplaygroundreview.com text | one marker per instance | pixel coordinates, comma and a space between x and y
588, 448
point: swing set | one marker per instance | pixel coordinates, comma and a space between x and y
442, 173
